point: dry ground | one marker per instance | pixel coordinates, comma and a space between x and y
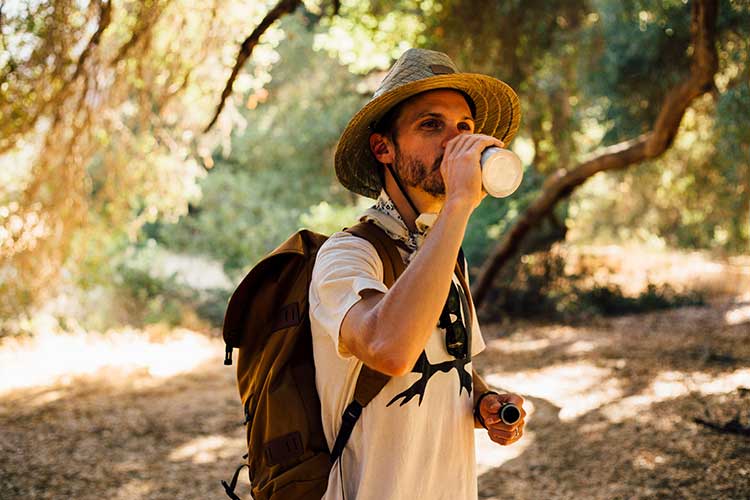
155, 415
615, 402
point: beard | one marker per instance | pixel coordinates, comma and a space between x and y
416, 174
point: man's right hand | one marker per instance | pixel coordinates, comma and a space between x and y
461, 171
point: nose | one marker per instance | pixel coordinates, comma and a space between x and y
452, 132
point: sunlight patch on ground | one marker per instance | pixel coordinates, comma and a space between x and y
44, 398
506, 346
580, 347
48, 358
648, 460
527, 343
208, 449
671, 385
738, 315
491, 454
576, 388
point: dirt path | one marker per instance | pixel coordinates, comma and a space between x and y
613, 408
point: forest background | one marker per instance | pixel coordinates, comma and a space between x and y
151, 152
108, 170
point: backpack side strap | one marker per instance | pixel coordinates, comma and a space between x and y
229, 488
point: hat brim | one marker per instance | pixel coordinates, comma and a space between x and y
498, 114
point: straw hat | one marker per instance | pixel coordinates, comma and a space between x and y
498, 112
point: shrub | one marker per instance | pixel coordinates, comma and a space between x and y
540, 286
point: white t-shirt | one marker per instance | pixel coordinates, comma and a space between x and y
416, 438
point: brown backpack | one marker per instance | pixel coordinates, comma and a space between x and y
267, 319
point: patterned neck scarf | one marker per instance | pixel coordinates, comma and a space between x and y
385, 215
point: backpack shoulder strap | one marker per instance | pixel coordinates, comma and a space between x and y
393, 264
370, 382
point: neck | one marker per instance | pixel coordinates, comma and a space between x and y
424, 202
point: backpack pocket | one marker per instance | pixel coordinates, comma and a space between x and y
303, 482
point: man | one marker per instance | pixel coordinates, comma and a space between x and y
415, 147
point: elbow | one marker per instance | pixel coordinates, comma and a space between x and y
393, 368
385, 348
391, 360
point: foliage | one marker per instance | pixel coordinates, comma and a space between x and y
327, 218
368, 35
542, 287
153, 299
279, 168
644, 54
149, 295
102, 103
492, 219
696, 195
102, 106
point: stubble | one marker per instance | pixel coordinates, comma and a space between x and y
416, 174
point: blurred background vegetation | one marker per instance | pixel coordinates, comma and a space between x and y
116, 207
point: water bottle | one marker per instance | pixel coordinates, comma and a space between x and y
501, 171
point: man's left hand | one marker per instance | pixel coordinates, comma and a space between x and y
499, 431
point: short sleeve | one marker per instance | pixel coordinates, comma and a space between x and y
345, 266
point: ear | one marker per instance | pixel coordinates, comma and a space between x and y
382, 148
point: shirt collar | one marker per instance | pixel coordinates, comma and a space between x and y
385, 215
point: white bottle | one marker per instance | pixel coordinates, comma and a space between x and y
501, 171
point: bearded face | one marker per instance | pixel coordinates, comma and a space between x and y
415, 173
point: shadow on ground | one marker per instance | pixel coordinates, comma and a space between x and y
123, 438
614, 405
613, 409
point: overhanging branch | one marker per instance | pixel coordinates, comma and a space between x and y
560, 185
246, 49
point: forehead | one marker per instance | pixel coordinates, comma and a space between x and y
443, 101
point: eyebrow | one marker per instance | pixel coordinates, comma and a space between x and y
430, 114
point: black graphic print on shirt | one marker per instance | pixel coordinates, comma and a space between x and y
427, 370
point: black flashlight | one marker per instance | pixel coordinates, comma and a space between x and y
509, 413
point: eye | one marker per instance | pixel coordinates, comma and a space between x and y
465, 126
432, 124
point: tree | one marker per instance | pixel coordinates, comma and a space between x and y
649, 145
102, 108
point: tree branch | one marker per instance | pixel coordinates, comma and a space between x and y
561, 184
148, 15
282, 8
105, 18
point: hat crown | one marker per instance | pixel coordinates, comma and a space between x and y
414, 65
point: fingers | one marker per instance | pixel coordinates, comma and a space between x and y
491, 405
460, 167
463, 151
511, 398
464, 143
505, 435
499, 431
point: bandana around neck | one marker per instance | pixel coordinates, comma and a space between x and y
385, 215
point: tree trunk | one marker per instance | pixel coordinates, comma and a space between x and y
619, 156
